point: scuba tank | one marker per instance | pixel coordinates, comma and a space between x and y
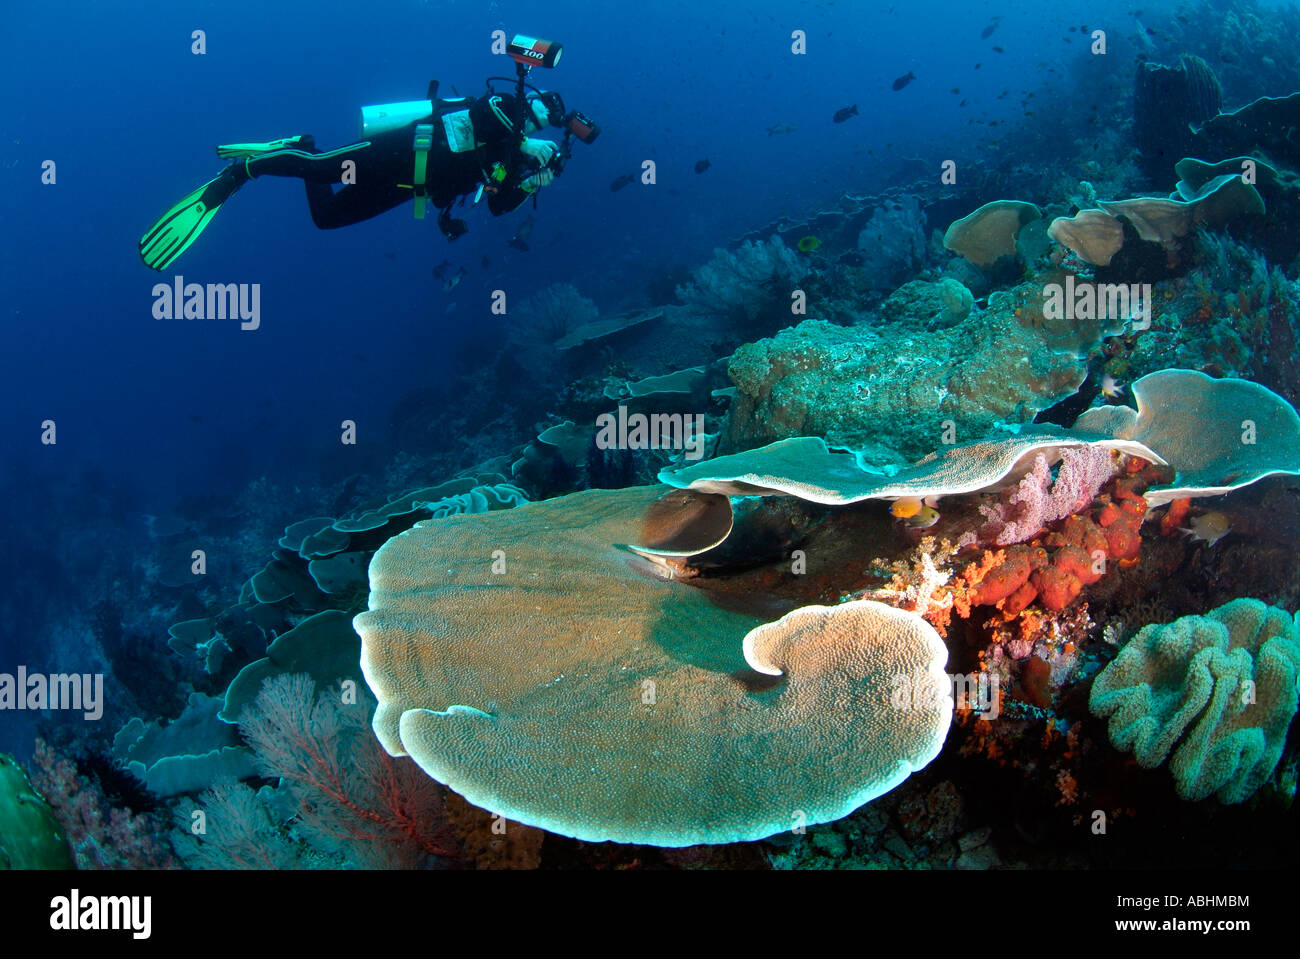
385, 117
390, 116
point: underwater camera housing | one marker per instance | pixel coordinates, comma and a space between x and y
574, 122
581, 126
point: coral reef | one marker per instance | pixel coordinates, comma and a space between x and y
716, 657
1264, 125
594, 330
492, 842
1233, 318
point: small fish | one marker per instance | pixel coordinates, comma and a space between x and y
1209, 528
702, 165
453, 281
978, 65
988, 31
844, 113
998, 50
440, 269
904, 80
779, 128
956, 90
622, 181
916, 512
486, 262
390, 255
1110, 388
962, 104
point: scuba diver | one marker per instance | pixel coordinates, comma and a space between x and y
432, 151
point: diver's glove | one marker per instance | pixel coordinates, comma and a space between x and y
543, 151
531, 184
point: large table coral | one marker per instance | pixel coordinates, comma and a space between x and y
806, 467
538, 667
1218, 434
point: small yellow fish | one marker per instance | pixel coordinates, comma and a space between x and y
1209, 528
915, 512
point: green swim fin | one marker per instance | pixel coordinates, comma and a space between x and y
181, 225
243, 151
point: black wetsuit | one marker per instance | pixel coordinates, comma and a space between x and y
385, 166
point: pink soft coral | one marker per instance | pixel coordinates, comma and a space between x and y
102, 836
1038, 500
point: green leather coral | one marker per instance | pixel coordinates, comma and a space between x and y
1219, 690
30, 837
533, 663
